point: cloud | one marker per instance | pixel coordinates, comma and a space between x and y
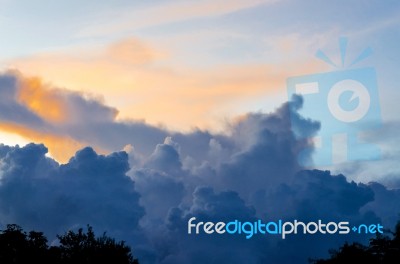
146, 195
11, 110
165, 14
165, 157
315, 195
385, 138
140, 77
38, 193
35, 111
256, 176
207, 205
385, 204
133, 51
68, 120
43, 102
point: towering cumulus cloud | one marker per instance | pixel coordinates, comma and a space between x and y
37, 192
147, 193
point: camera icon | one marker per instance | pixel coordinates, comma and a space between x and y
346, 102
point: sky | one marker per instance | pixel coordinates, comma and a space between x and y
151, 60
172, 109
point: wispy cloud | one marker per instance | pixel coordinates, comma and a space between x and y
144, 82
132, 19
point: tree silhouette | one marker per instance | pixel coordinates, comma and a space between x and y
18, 247
85, 248
381, 250
75, 247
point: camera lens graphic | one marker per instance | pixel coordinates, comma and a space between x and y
358, 91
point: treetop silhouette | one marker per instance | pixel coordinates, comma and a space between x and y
16, 246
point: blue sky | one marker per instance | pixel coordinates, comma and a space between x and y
196, 36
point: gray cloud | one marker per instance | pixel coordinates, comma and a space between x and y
12, 111
37, 192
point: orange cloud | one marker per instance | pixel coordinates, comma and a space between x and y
133, 76
53, 106
62, 148
41, 100
132, 51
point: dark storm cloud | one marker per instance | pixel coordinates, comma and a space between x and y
386, 203
207, 205
250, 172
37, 192
253, 173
